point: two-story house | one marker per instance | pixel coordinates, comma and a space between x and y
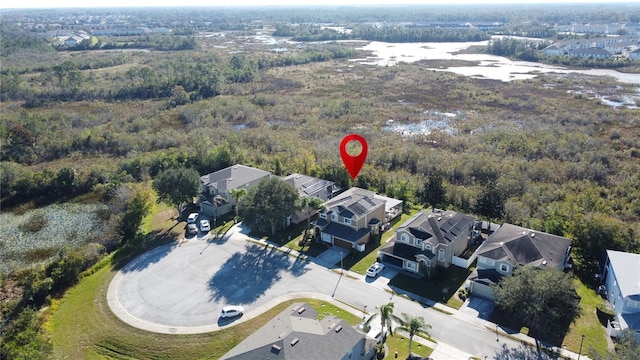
512, 246
215, 189
622, 281
429, 239
349, 219
309, 186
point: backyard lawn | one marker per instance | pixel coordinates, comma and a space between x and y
587, 324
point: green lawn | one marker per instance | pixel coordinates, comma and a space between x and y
401, 345
82, 327
587, 324
442, 290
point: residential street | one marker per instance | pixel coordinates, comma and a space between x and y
182, 288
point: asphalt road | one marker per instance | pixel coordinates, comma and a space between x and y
182, 288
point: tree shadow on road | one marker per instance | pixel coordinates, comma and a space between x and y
526, 352
244, 277
141, 252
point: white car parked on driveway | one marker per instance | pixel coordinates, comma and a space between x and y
205, 225
192, 218
375, 269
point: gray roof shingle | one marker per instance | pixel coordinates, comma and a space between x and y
316, 339
520, 246
233, 177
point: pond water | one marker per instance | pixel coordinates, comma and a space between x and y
429, 121
487, 66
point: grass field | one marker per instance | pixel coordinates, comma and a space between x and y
83, 327
401, 345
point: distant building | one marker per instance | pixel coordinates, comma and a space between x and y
592, 53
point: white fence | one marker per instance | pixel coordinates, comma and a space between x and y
463, 263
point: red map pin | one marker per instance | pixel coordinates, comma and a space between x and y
353, 163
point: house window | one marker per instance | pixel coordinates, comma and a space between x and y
504, 268
334, 217
411, 265
419, 242
347, 221
323, 215
633, 303
441, 255
427, 247
404, 238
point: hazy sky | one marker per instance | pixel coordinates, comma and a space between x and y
159, 3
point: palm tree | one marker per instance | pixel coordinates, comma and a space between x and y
236, 194
414, 325
307, 204
386, 317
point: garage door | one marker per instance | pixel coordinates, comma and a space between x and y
341, 243
393, 261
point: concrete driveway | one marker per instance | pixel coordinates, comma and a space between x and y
330, 257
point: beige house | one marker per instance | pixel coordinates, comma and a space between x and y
429, 239
350, 218
215, 189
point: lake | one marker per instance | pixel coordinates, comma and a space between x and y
487, 66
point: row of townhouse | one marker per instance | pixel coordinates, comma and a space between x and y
599, 28
598, 48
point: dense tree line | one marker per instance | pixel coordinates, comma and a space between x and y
394, 34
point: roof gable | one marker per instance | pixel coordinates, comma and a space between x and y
353, 203
233, 177
443, 226
297, 334
521, 246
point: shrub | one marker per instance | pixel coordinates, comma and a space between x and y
34, 224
